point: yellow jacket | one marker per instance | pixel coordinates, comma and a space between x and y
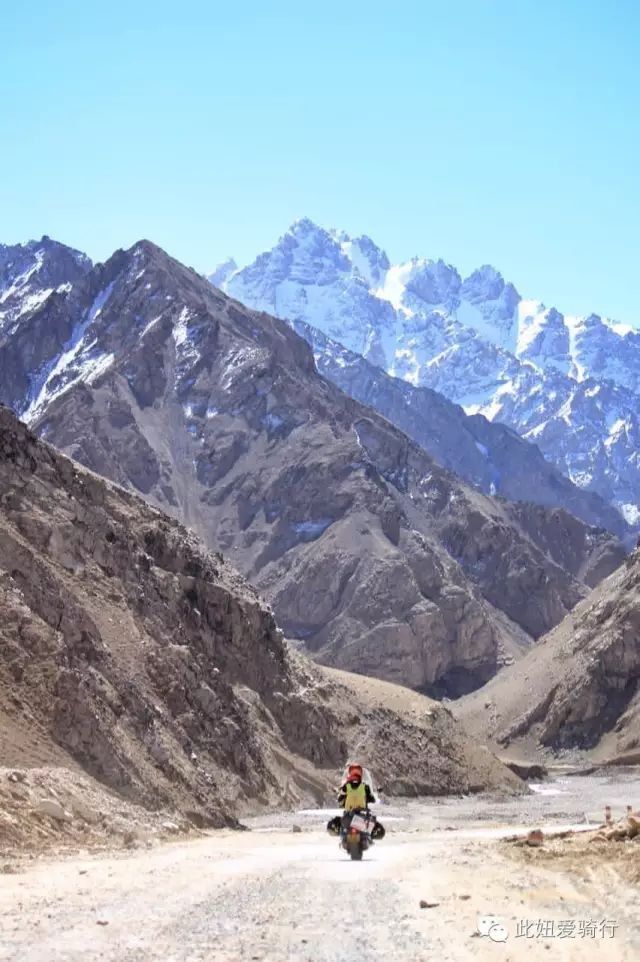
351, 798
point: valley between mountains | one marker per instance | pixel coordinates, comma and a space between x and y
235, 553
319, 482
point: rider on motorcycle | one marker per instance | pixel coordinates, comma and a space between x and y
354, 794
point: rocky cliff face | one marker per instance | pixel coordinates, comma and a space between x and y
569, 384
373, 557
31, 273
38, 284
128, 649
580, 689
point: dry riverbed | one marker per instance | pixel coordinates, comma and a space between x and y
272, 894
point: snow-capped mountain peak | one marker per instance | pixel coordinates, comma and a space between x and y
476, 340
483, 284
366, 258
222, 272
431, 284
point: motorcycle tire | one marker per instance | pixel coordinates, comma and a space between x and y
355, 851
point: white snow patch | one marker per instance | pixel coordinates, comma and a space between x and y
273, 421
23, 279
482, 449
312, 529
619, 328
407, 363
581, 478
630, 513
471, 316
532, 316
494, 407
93, 369
33, 301
574, 325
360, 263
236, 360
88, 369
616, 429
180, 329
151, 324
96, 308
395, 285
565, 412
535, 432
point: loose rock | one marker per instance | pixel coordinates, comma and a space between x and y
171, 827
53, 808
535, 838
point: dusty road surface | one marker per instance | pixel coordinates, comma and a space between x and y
274, 895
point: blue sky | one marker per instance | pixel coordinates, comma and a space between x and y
504, 132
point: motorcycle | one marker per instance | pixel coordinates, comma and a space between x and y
360, 830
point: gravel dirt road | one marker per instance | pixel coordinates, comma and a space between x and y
271, 894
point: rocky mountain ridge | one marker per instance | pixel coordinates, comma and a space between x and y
43, 285
569, 384
373, 556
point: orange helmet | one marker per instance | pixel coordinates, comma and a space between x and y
355, 771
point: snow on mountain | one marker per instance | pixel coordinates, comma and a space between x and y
491, 457
80, 360
69, 338
570, 384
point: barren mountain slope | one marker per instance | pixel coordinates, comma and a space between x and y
129, 650
580, 687
372, 555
